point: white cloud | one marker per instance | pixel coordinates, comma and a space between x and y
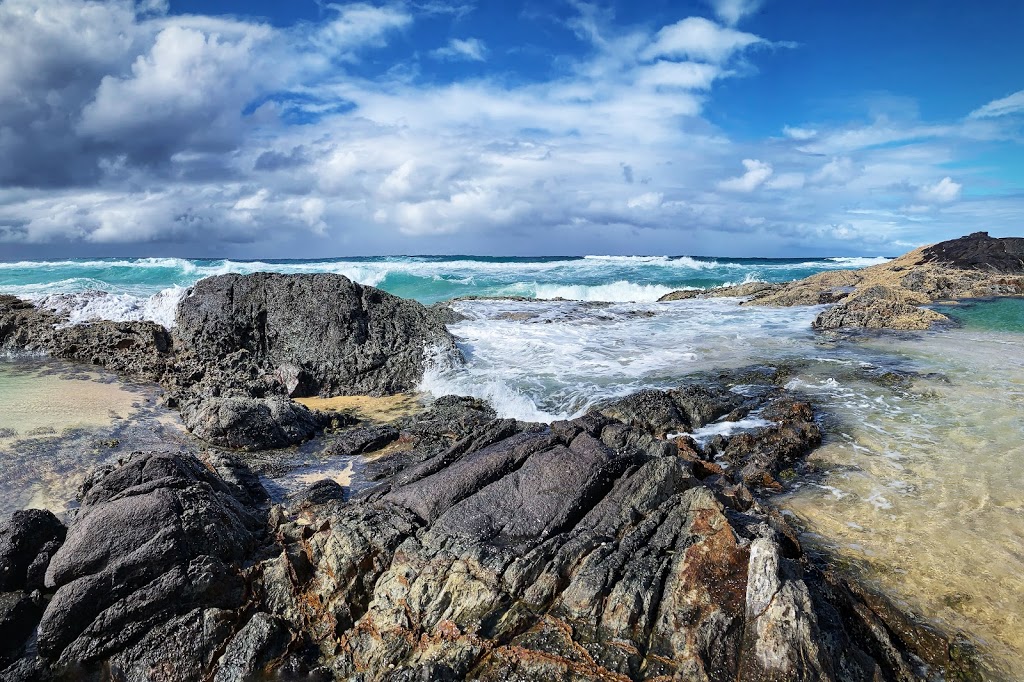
647, 201
471, 49
122, 127
942, 192
684, 75
757, 173
1011, 104
357, 26
700, 39
731, 11
786, 181
837, 171
802, 134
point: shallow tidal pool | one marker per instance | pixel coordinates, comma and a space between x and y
922, 487
58, 420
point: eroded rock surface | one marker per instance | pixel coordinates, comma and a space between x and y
891, 295
611, 546
319, 334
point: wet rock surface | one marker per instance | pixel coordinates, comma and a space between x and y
243, 423
595, 548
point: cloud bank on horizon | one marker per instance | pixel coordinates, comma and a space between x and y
304, 129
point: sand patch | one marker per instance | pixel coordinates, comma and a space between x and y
383, 409
34, 404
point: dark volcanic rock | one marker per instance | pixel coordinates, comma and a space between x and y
139, 349
27, 541
19, 613
310, 334
585, 551
251, 423
979, 251
155, 539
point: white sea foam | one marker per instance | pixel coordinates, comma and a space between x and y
90, 306
615, 292
857, 261
542, 360
724, 428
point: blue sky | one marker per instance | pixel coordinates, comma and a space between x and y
306, 129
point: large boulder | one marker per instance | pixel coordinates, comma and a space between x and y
319, 334
242, 423
157, 543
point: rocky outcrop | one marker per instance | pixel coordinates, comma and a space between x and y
605, 547
891, 295
877, 307
137, 349
739, 290
244, 344
979, 251
305, 335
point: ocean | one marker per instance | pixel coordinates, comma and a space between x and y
149, 288
916, 487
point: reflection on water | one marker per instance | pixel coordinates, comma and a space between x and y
924, 486
58, 420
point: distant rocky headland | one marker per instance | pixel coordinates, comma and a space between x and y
613, 546
891, 295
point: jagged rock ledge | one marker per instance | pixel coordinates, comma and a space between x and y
594, 549
891, 295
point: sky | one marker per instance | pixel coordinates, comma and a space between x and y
307, 128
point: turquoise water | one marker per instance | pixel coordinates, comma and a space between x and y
425, 278
149, 288
1000, 314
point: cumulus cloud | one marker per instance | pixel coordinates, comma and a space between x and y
646, 201
470, 49
1011, 104
757, 173
942, 192
700, 39
731, 11
122, 124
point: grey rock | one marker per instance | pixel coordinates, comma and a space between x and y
256, 646
355, 441
27, 538
243, 423
340, 336
154, 538
139, 349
